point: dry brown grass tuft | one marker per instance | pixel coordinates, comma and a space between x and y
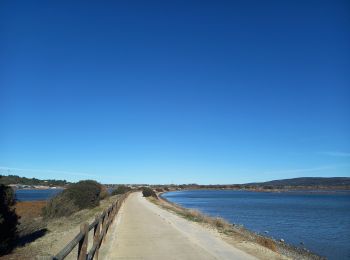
198, 216
194, 215
220, 222
267, 242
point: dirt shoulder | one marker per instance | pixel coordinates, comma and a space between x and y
259, 246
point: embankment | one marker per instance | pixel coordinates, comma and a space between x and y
237, 235
45, 237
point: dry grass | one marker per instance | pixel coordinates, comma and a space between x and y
60, 231
218, 223
267, 242
193, 215
30, 221
29, 209
198, 216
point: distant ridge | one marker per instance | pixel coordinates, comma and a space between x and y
306, 181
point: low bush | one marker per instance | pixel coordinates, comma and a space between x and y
121, 189
78, 196
8, 219
148, 192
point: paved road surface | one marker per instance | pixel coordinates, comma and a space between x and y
142, 230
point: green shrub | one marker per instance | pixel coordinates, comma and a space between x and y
148, 192
8, 219
121, 189
159, 190
78, 196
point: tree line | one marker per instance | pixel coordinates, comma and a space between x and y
15, 179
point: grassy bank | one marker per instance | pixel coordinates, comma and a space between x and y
50, 235
237, 235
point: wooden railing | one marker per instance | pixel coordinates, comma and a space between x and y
99, 226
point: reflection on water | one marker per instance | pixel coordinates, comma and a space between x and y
32, 195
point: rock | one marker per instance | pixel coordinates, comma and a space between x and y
266, 232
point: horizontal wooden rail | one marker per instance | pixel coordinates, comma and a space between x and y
100, 227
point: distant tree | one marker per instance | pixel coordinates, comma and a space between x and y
121, 189
148, 192
267, 187
8, 219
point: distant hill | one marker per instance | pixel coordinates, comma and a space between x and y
14, 179
306, 181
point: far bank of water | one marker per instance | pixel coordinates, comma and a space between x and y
35, 194
317, 221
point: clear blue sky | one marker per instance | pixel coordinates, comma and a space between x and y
175, 91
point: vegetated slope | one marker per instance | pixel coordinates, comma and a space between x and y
77, 196
306, 181
59, 232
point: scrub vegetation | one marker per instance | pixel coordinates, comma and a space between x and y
148, 192
78, 196
121, 189
8, 219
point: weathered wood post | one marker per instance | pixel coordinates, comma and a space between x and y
83, 243
97, 231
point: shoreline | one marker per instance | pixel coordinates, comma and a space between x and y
233, 231
297, 190
38, 188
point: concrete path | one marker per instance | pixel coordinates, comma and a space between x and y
142, 230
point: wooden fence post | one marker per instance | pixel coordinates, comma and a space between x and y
83, 243
100, 225
97, 231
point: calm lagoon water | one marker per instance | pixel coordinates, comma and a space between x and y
31, 194
321, 221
